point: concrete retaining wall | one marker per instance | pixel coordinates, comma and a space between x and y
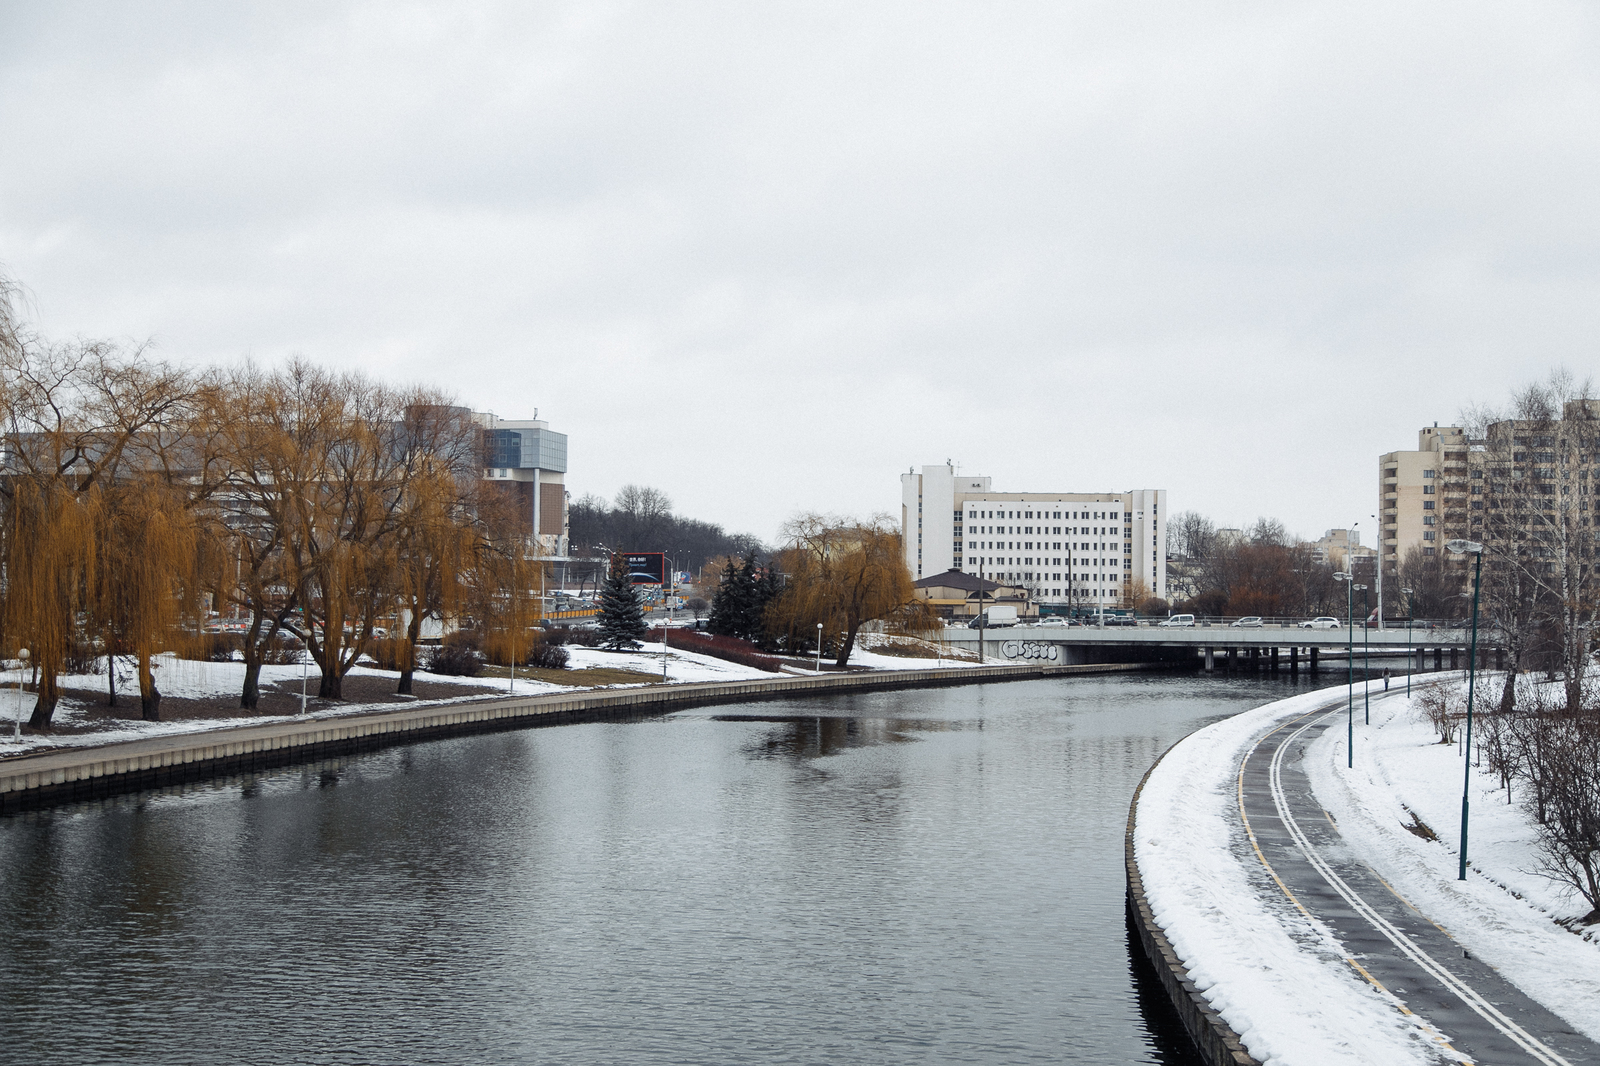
62, 776
1218, 1044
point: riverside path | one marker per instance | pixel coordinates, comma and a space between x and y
1471, 1010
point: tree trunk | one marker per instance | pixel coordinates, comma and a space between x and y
111, 676
149, 695
44, 707
849, 644
250, 696
409, 667
332, 684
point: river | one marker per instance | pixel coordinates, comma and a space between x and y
930, 875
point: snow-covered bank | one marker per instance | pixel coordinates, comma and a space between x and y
189, 679
1505, 912
1275, 975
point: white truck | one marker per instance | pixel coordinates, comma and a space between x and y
1000, 617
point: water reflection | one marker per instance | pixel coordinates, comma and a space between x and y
929, 875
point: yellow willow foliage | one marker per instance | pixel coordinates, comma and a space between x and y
50, 565
842, 574
511, 622
148, 561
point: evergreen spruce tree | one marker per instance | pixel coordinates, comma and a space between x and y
727, 604
621, 617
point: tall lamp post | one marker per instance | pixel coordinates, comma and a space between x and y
1366, 660
1411, 615
1468, 547
1350, 665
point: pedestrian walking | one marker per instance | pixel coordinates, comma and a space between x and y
1386, 681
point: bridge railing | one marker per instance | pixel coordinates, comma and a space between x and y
1418, 625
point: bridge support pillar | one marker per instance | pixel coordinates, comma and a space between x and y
1499, 658
1211, 659
1294, 661
1438, 658
1233, 659
1453, 659
1314, 650
1274, 660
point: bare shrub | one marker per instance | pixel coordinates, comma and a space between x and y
1444, 708
548, 656
458, 656
1569, 833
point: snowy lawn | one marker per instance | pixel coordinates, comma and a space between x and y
1505, 912
186, 679
1276, 976
83, 723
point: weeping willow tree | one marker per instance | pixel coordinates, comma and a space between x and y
50, 565
149, 557
844, 573
73, 417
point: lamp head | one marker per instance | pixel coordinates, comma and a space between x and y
1359, 588
1463, 547
1341, 576
1408, 591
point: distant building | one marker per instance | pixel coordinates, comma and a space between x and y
1066, 548
531, 461
1423, 494
1337, 546
955, 594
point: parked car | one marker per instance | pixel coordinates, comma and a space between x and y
1053, 623
1177, 621
1321, 622
1249, 621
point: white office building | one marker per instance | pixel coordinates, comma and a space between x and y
1076, 549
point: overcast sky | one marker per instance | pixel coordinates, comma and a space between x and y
767, 257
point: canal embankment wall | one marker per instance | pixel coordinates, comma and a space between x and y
1213, 1037
68, 775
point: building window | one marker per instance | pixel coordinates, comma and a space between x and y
1427, 551
1427, 505
1428, 535
1427, 490
1427, 520
1428, 473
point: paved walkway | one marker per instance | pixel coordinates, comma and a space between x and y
1463, 1003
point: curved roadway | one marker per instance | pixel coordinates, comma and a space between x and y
1458, 1001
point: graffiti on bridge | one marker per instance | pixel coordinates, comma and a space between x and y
1027, 649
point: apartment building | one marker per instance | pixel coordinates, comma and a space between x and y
1423, 494
1069, 549
527, 457
1524, 489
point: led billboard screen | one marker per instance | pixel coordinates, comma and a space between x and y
647, 568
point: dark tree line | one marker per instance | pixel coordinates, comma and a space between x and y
1260, 570
641, 519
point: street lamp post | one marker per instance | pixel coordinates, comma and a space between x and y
1350, 666
1411, 615
819, 647
1366, 660
22, 669
1468, 547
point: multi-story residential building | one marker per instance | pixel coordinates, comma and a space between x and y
1423, 494
1338, 546
1523, 489
531, 461
1076, 549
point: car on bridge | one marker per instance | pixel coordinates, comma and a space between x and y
1249, 621
1321, 622
1177, 621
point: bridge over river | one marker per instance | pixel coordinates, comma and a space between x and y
1268, 647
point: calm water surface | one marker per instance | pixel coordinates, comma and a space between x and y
917, 876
